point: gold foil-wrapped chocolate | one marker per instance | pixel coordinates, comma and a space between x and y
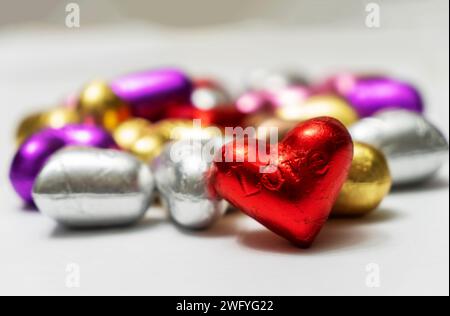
369, 181
99, 105
146, 140
165, 128
148, 146
127, 133
54, 118
319, 105
172, 130
139, 137
27, 127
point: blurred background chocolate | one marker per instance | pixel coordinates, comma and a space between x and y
208, 94
271, 79
369, 94
319, 105
146, 140
32, 155
415, 149
149, 93
53, 118
97, 104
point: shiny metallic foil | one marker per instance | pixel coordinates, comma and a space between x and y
293, 190
266, 79
139, 137
180, 174
172, 130
169, 129
53, 118
37, 149
209, 94
87, 187
369, 94
146, 140
415, 149
99, 105
252, 102
129, 132
148, 146
368, 182
319, 105
149, 93
288, 96
222, 116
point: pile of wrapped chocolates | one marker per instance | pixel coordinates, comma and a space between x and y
106, 155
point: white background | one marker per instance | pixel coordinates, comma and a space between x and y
408, 237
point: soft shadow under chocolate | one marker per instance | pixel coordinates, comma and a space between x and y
225, 227
433, 184
146, 223
337, 235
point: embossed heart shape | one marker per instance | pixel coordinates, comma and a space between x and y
294, 197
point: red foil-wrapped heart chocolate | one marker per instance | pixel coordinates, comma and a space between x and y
291, 193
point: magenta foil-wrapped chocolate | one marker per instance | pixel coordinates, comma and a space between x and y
149, 93
35, 151
252, 102
370, 94
288, 96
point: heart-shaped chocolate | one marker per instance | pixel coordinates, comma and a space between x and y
292, 192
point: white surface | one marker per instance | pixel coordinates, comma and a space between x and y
408, 237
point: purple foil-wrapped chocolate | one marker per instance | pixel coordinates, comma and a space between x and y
33, 153
370, 94
149, 93
86, 135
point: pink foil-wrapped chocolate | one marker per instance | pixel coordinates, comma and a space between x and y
268, 100
35, 151
288, 96
370, 94
252, 102
149, 93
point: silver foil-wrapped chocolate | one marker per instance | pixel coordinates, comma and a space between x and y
181, 178
414, 147
270, 79
88, 187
